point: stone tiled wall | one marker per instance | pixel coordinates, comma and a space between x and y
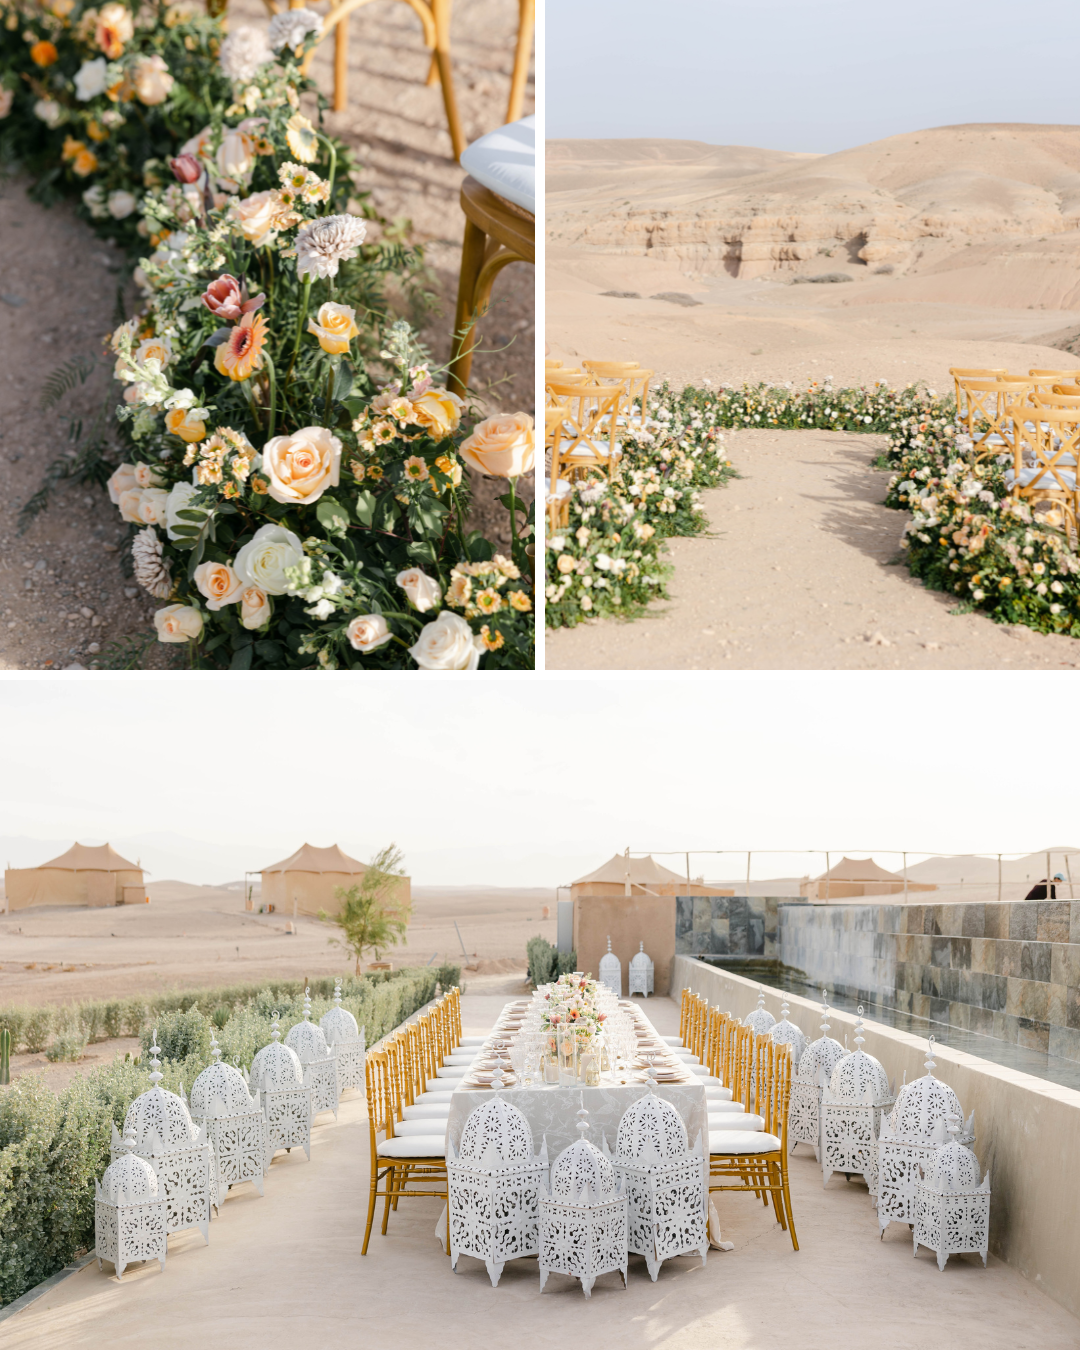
1005, 970
727, 925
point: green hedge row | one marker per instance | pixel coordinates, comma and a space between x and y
546, 963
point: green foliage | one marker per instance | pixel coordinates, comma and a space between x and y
66, 378
180, 1035
5, 1056
447, 976
37, 1029
546, 963
67, 1048
370, 916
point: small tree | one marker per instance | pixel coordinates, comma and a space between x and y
371, 917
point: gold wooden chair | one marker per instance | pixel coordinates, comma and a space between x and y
971, 373
497, 233
995, 413
634, 380
558, 504
1050, 475
587, 442
1044, 380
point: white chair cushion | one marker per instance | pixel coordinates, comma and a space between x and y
440, 1087
727, 1142
429, 1111
672, 1040
687, 1056
717, 1107
738, 1121
1046, 478
562, 488
589, 451
452, 1071
474, 1040
414, 1146
428, 1125
464, 1056
505, 162
717, 1093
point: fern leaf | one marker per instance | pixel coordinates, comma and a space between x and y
65, 378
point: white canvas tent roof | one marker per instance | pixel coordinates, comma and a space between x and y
308, 858
641, 872
858, 869
91, 858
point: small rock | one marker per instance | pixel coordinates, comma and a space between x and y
878, 640
109, 548
94, 648
932, 646
675, 298
131, 592
75, 666
825, 278
11, 624
86, 613
15, 301
624, 295
40, 565
62, 615
96, 621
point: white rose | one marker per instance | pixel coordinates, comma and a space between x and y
235, 160
178, 623
263, 561
49, 111
368, 631
91, 79
179, 499
143, 506
423, 591
302, 466
123, 479
147, 476
447, 644
94, 200
120, 204
254, 607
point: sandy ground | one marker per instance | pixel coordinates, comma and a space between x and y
67, 283
801, 572
308, 1229
192, 937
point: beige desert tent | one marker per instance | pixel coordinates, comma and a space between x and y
622, 875
852, 878
87, 874
305, 882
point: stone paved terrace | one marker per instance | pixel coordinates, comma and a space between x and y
285, 1273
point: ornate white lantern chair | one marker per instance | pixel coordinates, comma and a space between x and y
851, 1107
583, 1214
787, 1033
494, 1188
129, 1212
910, 1135
278, 1076
347, 1041
665, 1183
234, 1124
318, 1060
642, 973
952, 1208
812, 1072
611, 971
160, 1126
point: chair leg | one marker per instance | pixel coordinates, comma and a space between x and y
787, 1205
465, 337
526, 23
440, 10
391, 1182
371, 1209
341, 65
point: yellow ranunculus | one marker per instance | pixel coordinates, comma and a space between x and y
334, 326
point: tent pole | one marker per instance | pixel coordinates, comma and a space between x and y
1068, 873
905, 878
748, 874
688, 891
826, 877
999, 878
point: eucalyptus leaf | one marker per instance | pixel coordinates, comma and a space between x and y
332, 516
365, 507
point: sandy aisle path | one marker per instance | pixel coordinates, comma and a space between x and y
801, 575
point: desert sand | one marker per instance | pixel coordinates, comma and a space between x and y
961, 247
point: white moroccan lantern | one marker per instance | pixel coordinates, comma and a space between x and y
952, 1208
347, 1040
162, 1131
494, 1188
760, 1019
812, 1072
234, 1124
851, 1107
664, 1181
583, 1214
787, 1033
910, 1135
611, 971
129, 1212
278, 1077
318, 1060
642, 971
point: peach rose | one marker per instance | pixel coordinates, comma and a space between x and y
334, 326
219, 583
122, 480
422, 591
439, 411
368, 631
254, 607
501, 447
152, 81
114, 27
147, 476
234, 162
255, 216
7, 97
302, 466
178, 623
143, 506
183, 423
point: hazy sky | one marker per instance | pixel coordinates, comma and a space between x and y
534, 782
791, 75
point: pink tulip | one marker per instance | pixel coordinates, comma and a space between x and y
186, 168
225, 299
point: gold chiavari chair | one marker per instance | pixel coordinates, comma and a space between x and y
758, 1159
683, 1008
557, 495
396, 1161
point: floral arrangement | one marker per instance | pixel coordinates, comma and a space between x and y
294, 504
571, 1002
94, 98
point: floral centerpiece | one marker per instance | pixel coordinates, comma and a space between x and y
291, 506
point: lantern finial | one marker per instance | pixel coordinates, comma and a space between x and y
858, 1031
215, 1049
583, 1117
275, 1030
155, 1064
928, 1063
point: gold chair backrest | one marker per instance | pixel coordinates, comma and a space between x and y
742, 1064
397, 1075
972, 373
587, 406
684, 1005
632, 377
995, 408
1054, 438
1057, 398
379, 1095
773, 1085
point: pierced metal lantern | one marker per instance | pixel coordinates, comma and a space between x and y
160, 1126
234, 1122
347, 1041
278, 1077
787, 1033
761, 1020
129, 1212
494, 1188
318, 1060
910, 1134
952, 1208
851, 1107
642, 973
812, 1072
583, 1214
665, 1183
611, 971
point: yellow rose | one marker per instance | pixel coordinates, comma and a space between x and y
439, 411
183, 423
502, 447
334, 326
178, 623
255, 216
254, 607
143, 506
114, 27
302, 466
219, 583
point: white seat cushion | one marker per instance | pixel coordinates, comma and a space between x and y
474, 1040
672, 1040
505, 162
717, 1093
1046, 477
718, 1107
427, 1111
562, 488
589, 452
414, 1146
738, 1121
439, 1087
742, 1141
452, 1071
428, 1125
